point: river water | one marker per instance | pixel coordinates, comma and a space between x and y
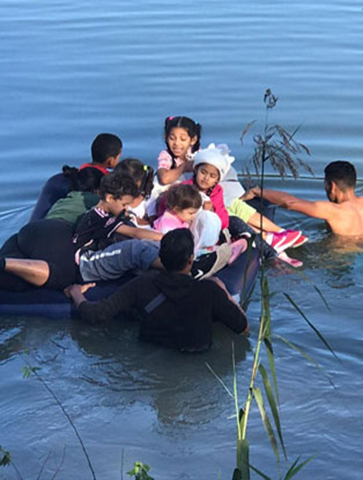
70, 70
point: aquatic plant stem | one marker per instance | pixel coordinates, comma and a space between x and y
244, 420
33, 370
243, 430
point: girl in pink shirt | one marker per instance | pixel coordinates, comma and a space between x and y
182, 138
210, 166
182, 205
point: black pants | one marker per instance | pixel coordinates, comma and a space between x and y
48, 240
238, 226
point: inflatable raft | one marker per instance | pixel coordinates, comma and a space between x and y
239, 277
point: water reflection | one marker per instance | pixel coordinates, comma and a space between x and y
179, 386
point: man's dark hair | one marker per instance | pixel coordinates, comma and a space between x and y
342, 173
176, 247
118, 184
105, 145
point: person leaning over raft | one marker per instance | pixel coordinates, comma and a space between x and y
177, 311
344, 211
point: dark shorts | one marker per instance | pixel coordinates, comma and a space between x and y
48, 240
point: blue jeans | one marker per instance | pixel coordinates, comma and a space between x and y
117, 259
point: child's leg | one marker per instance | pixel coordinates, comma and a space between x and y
35, 272
267, 225
119, 258
237, 227
249, 215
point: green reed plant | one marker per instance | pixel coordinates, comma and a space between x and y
140, 472
29, 371
279, 147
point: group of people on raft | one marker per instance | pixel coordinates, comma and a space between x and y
110, 217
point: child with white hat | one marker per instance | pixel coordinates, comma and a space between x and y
211, 166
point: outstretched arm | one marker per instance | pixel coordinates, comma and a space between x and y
322, 209
139, 233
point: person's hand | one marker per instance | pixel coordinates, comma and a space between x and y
250, 194
188, 166
208, 205
221, 285
219, 282
71, 290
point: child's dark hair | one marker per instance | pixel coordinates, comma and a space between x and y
105, 145
118, 185
182, 197
140, 173
86, 180
342, 173
190, 126
176, 247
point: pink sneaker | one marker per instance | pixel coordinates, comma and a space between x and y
290, 261
300, 241
283, 240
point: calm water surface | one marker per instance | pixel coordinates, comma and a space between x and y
69, 70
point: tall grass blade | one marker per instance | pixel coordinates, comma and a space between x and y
273, 407
219, 379
266, 308
266, 423
235, 394
295, 469
311, 325
271, 361
244, 293
243, 458
262, 475
267, 334
306, 355
320, 293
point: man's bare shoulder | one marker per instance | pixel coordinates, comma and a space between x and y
348, 218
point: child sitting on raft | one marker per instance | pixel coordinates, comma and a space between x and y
175, 163
105, 150
143, 177
42, 252
182, 204
182, 138
210, 167
183, 210
107, 242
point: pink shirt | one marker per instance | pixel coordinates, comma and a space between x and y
169, 221
216, 198
165, 160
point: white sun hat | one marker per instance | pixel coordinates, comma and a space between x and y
218, 156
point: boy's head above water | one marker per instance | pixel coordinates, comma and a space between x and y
106, 150
117, 192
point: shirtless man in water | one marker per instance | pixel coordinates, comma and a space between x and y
344, 211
